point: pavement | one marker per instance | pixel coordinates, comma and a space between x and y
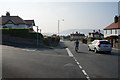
58, 62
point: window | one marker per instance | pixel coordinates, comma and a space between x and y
104, 42
106, 31
111, 31
115, 31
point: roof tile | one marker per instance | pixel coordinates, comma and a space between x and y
113, 26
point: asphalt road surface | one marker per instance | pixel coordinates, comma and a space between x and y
97, 65
58, 62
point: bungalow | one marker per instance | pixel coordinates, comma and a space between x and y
9, 21
77, 36
112, 32
96, 34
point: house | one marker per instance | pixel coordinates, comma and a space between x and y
96, 34
9, 21
77, 35
112, 32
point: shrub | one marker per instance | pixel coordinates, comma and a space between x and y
21, 32
51, 41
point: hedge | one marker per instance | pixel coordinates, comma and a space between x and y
21, 32
51, 41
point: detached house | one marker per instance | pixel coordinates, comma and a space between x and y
77, 36
96, 34
9, 21
112, 32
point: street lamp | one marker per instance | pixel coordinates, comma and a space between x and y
37, 36
59, 25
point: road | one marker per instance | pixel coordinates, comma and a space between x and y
97, 65
55, 62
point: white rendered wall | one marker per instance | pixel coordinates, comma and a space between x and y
111, 34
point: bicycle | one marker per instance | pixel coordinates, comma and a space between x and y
76, 48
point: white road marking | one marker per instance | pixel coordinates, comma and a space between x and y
84, 72
69, 52
28, 49
78, 63
80, 67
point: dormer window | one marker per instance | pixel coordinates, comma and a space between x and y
9, 22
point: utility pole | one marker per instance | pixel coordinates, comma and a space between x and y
59, 25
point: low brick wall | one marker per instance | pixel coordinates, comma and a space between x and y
19, 40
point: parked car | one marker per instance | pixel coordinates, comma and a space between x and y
100, 45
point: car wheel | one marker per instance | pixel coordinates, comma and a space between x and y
89, 49
95, 50
109, 52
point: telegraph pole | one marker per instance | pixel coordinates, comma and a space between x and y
59, 25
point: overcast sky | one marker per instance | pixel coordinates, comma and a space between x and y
76, 15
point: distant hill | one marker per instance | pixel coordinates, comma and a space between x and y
83, 31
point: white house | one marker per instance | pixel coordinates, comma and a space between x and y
77, 36
113, 29
112, 32
96, 34
9, 21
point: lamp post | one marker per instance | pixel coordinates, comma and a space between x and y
37, 36
59, 25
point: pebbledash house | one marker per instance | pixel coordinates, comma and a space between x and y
9, 21
112, 32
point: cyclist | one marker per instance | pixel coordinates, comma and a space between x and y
76, 45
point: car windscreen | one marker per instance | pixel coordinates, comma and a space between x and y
104, 42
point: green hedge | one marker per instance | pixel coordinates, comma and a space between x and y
21, 32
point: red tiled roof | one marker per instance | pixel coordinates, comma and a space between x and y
29, 22
15, 19
113, 26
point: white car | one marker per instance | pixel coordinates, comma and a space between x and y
100, 45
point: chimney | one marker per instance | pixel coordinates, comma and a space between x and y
115, 19
99, 30
119, 19
7, 14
